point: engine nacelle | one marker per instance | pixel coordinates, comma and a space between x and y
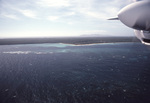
136, 15
144, 36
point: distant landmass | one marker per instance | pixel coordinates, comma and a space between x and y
67, 40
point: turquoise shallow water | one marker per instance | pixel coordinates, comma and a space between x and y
51, 45
60, 47
64, 73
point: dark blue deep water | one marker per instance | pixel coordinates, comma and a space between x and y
64, 73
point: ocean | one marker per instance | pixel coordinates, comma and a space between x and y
67, 73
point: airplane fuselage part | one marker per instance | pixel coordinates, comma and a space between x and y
137, 16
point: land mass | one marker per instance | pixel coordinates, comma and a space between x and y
67, 40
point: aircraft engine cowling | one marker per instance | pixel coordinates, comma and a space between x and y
136, 15
144, 36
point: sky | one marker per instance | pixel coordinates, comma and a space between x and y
48, 18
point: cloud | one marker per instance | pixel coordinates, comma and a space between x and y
69, 13
89, 32
27, 13
53, 3
11, 16
63, 8
97, 9
53, 18
140, 0
81, 8
70, 16
14, 8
